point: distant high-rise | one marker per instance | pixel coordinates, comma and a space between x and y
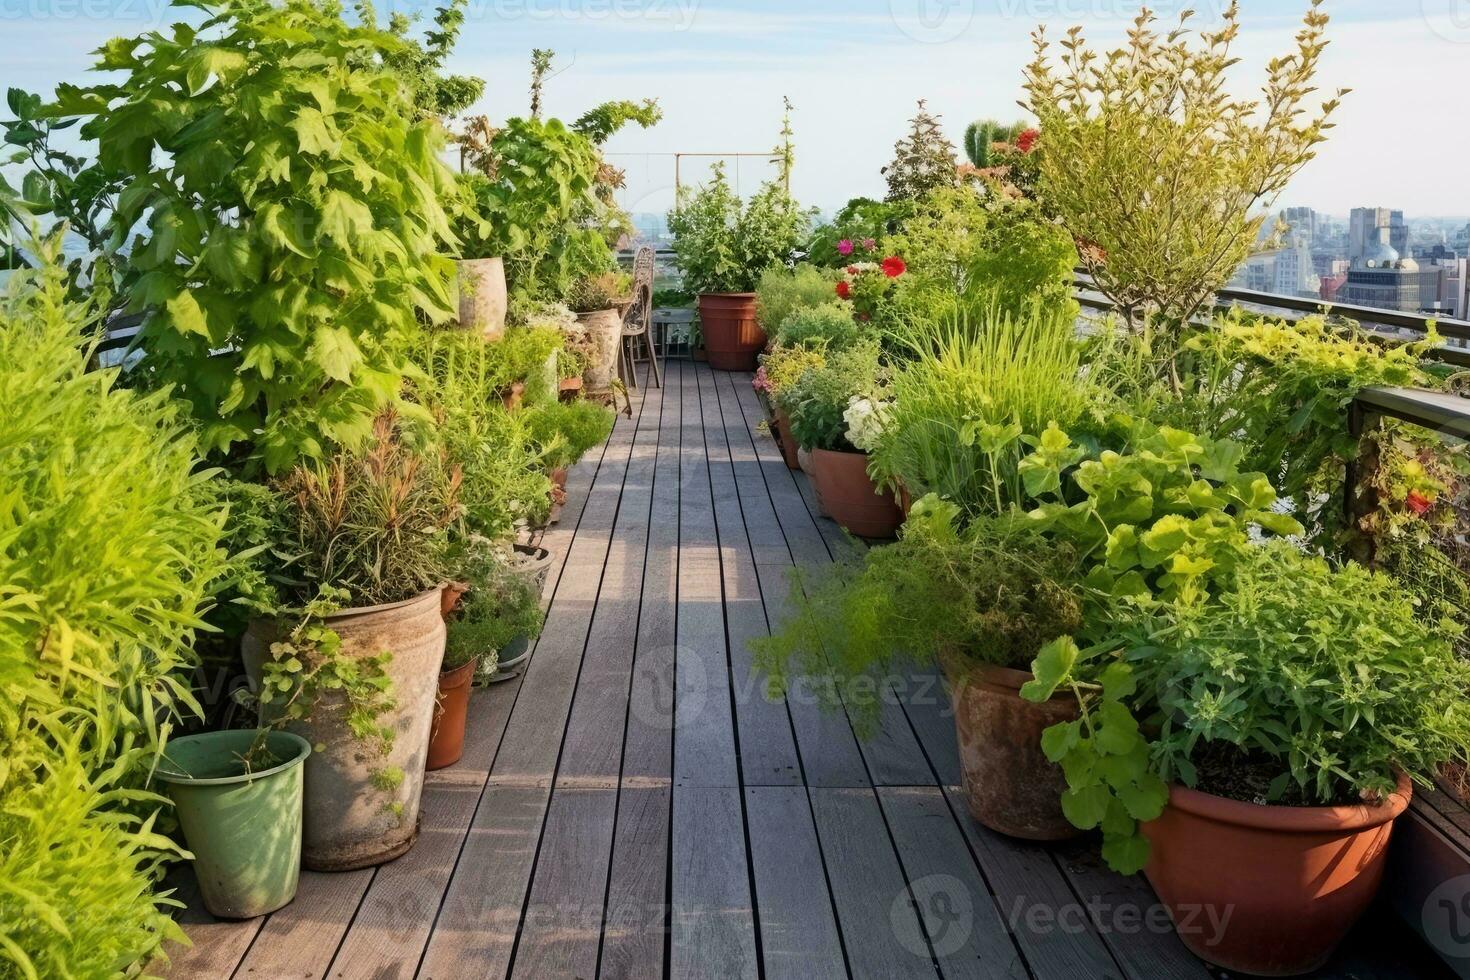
1363, 231
1381, 277
1301, 225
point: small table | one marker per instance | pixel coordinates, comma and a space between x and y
665, 318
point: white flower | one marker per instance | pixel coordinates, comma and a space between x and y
866, 419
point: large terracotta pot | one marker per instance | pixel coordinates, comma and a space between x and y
1011, 786
605, 329
349, 822
732, 336
786, 440
482, 297
446, 736
1292, 880
851, 498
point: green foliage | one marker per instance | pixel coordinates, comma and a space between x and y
981, 137
993, 593
818, 400
830, 325
967, 393
292, 215
782, 292
109, 553
606, 291
599, 123
501, 605
1156, 168
782, 366
566, 431
1294, 682
861, 220
504, 480
435, 95
721, 247
923, 161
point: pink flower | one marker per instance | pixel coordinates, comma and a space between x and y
760, 382
870, 244
893, 267
1417, 502
844, 247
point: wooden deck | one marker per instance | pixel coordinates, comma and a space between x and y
633, 807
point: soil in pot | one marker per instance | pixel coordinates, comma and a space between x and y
350, 820
1268, 890
787, 442
733, 338
482, 297
851, 498
1010, 785
446, 735
242, 822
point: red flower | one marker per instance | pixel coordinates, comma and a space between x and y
852, 270
893, 267
1417, 502
844, 290
1026, 140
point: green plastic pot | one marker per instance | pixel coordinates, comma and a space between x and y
244, 829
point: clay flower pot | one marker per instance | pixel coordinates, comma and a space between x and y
851, 498
905, 501
446, 736
449, 600
732, 337
1292, 880
786, 440
482, 297
348, 822
513, 397
1011, 786
605, 330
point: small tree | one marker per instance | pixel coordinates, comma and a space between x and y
1156, 169
922, 160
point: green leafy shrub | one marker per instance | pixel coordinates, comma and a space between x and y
782, 292
818, 401
967, 393
109, 554
923, 161
722, 247
1295, 683
566, 431
501, 605
993, 592
782, 366
292, 220
861, 222
829, 325
606, 291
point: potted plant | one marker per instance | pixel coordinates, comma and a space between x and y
596, 300
837, 412
563, 432
466, 654
349, 635
480, 269
501, 615
721, 250
237, 795
1286, 712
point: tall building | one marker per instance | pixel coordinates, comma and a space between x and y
1364, 225
1384, 279
1301, 225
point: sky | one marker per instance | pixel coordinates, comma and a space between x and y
854, 68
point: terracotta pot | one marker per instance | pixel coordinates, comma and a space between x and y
699, 354
732, 336
512, 399
449, 599
569, 389
482, 296
446, 735
804, 463
786, 440
1293, 880
605, 329
348, 822
905, 501
851, 498
559, 478
535, 565
1011, 786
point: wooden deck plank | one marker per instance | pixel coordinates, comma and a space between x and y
1033, 896
477, 924
561, 929
767, 745
966, 932
883, 935
798, 925
712, 923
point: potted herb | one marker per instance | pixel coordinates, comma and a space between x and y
238, 798
564, 432
722, 249
501, 614
1286, 712
466, 652
782, 365
350, 634
837, 412
597, 300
